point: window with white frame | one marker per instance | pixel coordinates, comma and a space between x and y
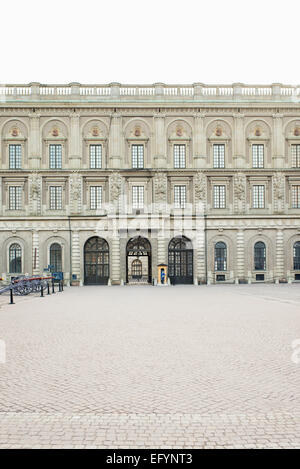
219, 196
55, 156
258, 156
137, 156
295, 196
179, 196
179, 156
258, 196
137, 197
219, 155
15, 156
96, 156
295, 155
95, 197
55, 197
15, 198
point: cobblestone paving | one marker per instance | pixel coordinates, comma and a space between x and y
183, 366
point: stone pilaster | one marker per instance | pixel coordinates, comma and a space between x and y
35, 193
279, 269
200, 192
239, 188
75, 193
160, 144
76, 256
199, 141
240, 254
278, 185
115, 139
35, 253
34, 150
278, 142
115, 261
75, 153
239, 142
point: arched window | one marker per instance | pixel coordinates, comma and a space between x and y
259, 256
136, 268
55, 257
297, 255
15, 259
220, 256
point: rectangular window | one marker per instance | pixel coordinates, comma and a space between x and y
55, 154
15, 198
95, 156
55, 197
95, 197
179, 196
15, 154
296, 156
219, 156
137, 197
295, 196
179, 156
137, 155
258, 197
257, 156
219, 197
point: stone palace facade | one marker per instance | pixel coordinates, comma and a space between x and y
106, 182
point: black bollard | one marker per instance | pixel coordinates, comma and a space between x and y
11, 297
59, 286
48, 288
42, 291
53, 290
62, 285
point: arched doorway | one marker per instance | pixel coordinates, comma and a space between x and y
180, 260
96, 261
138, 260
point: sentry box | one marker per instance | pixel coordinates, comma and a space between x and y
162, 274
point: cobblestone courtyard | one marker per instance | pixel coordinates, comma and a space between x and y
183, 366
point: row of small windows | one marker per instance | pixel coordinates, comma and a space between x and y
260, 261
180, 197
15, 257
137, 156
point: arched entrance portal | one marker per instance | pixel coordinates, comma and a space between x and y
96, 261
138, 260
180, 260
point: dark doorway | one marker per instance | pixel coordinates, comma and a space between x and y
96, 261
180, 260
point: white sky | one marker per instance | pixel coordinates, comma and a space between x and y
133, 41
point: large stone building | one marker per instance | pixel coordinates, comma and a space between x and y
106, 182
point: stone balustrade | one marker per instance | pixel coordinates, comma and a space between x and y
197, 92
